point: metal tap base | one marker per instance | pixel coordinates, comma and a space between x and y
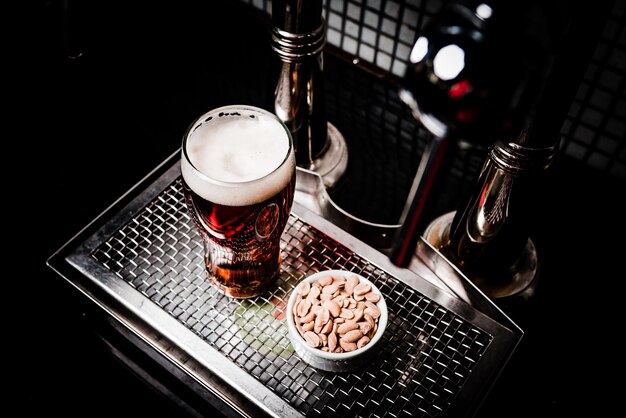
333, 162
523, 276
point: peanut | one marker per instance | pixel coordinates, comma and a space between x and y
336, 314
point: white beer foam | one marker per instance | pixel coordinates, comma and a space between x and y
235, 160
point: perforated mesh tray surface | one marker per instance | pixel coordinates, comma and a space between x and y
439, 355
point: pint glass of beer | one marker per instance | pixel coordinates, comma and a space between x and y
238, 168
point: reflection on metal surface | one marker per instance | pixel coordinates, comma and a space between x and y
312, 193
470, 80
488, 237
298, 38
519, 281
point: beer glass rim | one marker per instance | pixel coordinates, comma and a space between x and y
197, 122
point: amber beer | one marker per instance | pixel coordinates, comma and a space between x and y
238, 168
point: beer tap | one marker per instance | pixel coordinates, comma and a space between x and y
488, 236
298, 37
526, 80
471, 77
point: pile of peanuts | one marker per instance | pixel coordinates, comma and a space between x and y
336, 314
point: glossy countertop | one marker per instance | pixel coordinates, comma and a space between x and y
106, 107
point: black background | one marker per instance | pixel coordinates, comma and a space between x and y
95, 111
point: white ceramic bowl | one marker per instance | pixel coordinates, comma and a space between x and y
336, 362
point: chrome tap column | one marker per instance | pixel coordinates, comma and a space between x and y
488, 238
471, 78
298, 39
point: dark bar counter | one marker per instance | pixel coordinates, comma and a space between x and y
114, 87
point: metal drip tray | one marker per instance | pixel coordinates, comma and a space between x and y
141, 261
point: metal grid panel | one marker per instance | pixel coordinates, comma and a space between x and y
595, 128
380, 32
427, 351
